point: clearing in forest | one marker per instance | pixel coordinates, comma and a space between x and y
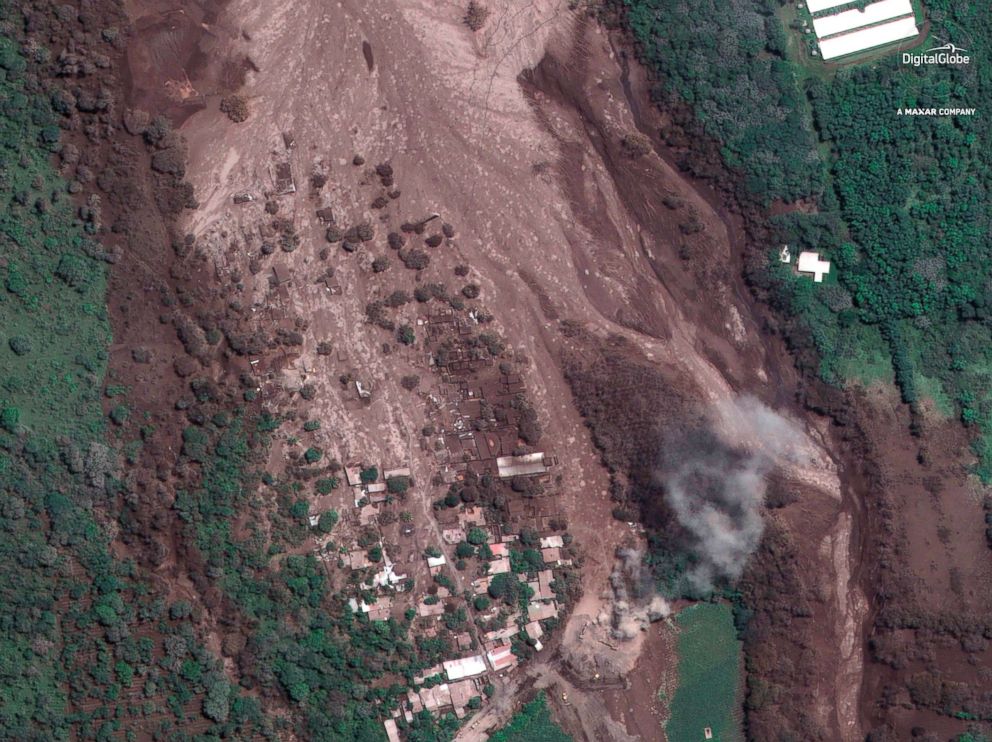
709, 675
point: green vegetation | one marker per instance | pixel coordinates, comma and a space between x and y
81, 631
533, 723
709, 674
902, 201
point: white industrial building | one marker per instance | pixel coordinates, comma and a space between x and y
848, 20
860, 29
815, 6
868, 38
466, 667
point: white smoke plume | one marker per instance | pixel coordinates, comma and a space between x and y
715, 482
635, 602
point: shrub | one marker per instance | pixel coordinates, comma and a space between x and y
482, 602
410, 382
312, 455
635, 145
415, 259
406, 335
20, 345
311, 425
476, 15
235, 107
398, 485
477, 536
119, 414
471, 291
328, 519
9, 417
326, 484
380, 264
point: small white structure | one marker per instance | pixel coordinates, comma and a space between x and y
466, 667
809, 262
785, 255
556, 542
436, 561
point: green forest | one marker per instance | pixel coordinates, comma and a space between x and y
86, 647
901, 202
91, 649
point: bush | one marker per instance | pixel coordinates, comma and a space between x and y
477, 536
398, 485
328, 519
326, 484
406, 335
20, 345
415, 259
476, 15
9, 417
410, 382
312, 455
235, 107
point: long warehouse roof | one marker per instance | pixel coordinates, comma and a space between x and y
851, 19
815, 6
868, 38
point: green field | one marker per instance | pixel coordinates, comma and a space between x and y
709, 675
533, 723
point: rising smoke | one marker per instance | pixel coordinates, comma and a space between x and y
715, 479
635, 601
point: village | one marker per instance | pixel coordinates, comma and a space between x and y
486, 585
503, 558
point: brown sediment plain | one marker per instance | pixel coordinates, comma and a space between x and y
514, 135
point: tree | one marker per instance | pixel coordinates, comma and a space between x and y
398, 485
477, 536
9, 418
464, 550
406, 335
312, 455
369, 475
505, 587
328, 519
20, 345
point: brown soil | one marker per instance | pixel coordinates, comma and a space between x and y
514, 134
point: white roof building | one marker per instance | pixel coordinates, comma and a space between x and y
556, 542
816, 6
466, 667
521, 466
868, 38
849, 20
809, 262
436, 561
